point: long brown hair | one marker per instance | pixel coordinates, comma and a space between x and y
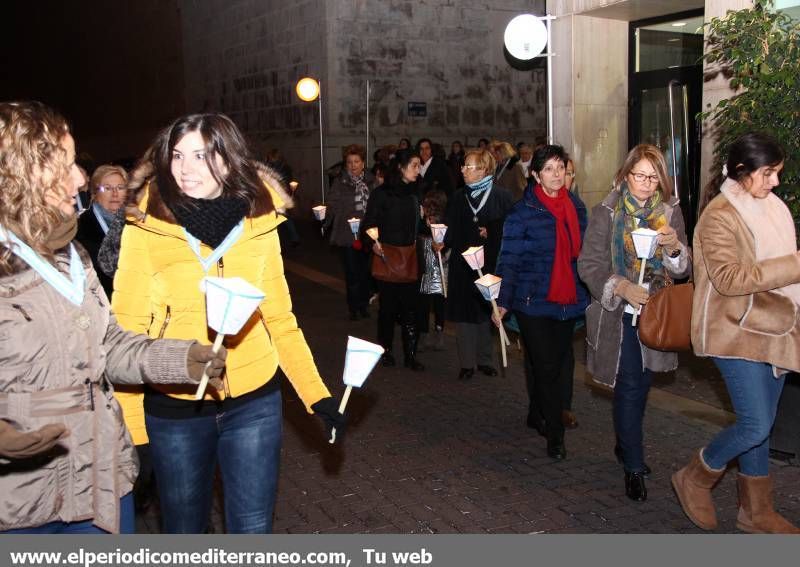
223, 138
656, 159
32, 164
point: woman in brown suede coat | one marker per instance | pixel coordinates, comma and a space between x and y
744, 316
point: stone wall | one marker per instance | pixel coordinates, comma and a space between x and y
243, 57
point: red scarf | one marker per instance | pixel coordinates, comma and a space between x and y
568, 245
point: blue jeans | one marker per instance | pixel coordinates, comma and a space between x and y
630, 397
127, 523
246, 442
754, 393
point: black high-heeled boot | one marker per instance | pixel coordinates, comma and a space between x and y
410, 349
635, 488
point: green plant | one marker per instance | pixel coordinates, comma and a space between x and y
758, 49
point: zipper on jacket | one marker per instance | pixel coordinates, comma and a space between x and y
22, 311
167, 317
220, 273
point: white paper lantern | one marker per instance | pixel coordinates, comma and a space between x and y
319, 212
644, 240
229, 303
438, 231
373, 233
354, 225
489, 286
525, 37
474, 257
360, 359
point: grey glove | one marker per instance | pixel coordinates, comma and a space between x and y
634, 294
16, 444
197, 358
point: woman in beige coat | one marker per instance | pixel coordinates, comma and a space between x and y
66, 460
744, 316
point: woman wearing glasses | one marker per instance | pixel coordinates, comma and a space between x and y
108, 187
474, 217
541, 242
641, 198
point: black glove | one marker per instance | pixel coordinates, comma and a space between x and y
16, 444
328, 410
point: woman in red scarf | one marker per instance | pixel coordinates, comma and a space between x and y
541, 241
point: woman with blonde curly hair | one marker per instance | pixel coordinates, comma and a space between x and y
66, 460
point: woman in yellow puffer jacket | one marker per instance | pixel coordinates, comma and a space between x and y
210, 211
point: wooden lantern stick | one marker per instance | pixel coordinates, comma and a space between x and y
201, 388
641, 281
441, 269
503, 337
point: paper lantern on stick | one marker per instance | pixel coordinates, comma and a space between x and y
373, 233
354, 226
437, 232
360, 359
229, 304
489, 286
644, 240
474, 257
319, 212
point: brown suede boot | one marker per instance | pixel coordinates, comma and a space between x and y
693, 484
756, 514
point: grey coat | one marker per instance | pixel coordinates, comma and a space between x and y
54, 361
341, 206
604, 314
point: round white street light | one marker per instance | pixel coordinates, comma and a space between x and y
525, 37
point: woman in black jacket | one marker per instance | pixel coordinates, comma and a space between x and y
394, 209
474, 217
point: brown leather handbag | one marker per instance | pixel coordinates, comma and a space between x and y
666, 319
397, 265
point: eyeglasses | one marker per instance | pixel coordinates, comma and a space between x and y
471, 166
553, 170
112, 188
570, 174
642, 177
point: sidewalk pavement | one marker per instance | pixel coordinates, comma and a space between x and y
427, 453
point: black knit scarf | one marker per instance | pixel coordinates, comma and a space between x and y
210, 220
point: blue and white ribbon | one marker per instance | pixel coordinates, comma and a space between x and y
219, 251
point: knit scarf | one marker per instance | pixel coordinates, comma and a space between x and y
210, 220
628, 216
476, 189
62, 233
568, 245
361, 192
771, 224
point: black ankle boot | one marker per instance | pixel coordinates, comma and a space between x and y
556, 448
635, 488
410, 349
618, 454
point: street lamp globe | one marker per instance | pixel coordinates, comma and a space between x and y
307, 89
525, 37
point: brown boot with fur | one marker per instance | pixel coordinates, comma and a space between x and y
756, 513
693, 484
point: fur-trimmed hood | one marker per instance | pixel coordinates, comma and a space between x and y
142, 181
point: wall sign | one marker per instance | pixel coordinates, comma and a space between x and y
418, 109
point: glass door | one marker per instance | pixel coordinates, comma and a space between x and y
665, 96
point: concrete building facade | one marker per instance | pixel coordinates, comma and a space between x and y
446, 57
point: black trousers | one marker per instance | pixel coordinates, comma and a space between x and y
355, 264
397, 300
548, 344
565, 381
